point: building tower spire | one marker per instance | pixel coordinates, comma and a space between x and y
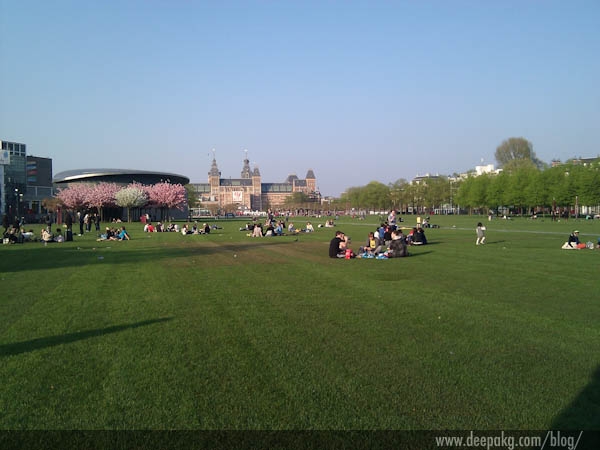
246, 173
214, 170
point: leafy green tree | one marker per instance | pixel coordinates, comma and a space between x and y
554, 179
516, 149
463, 193
415, 195
496, 195
192, 196
569, 186
516, 190
534, 189
437, 192
297, 200
397, 193
590, 185
351, 198
376, 195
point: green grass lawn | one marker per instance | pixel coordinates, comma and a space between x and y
230, 332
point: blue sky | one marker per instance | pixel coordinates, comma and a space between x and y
357, 91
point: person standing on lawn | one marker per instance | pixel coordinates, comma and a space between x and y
480, 230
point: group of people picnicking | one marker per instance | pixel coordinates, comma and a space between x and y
47, 235
114, 234
185, 229
159, 227
273, 227
195, 229
386, 241
17, 235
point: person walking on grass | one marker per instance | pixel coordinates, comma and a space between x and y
480, 230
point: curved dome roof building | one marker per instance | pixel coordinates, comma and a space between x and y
119, 176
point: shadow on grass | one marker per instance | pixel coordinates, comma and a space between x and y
412, 253
36, 344
583, 413
580, 420
65, 255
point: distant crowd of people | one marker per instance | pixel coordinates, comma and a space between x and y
185, 229
273, 227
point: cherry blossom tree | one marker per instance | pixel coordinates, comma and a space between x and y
75, 196
166, 196
101, 195
132, 196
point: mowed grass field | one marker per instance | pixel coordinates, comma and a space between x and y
230, 332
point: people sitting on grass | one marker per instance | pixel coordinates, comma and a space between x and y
257, 232
269, 228
279, 229
387, 235
108, 235
13, 235
337, 246
398, 247
28, 235
47, 236
59, 237
123, 235
418, 236
247, 227
573, 242
329, 224
381, 233
373, 245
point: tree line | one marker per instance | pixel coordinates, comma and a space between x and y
527, 188
162, 195
525, 184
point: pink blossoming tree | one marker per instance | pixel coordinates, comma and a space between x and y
102, 195
166, 196
75, 196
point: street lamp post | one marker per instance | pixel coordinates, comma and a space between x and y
17, 201
451, 199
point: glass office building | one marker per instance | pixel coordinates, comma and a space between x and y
13, 178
